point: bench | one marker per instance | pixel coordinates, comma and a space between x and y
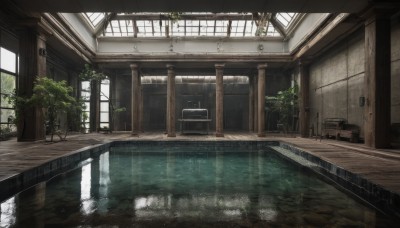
339, 128
194, 115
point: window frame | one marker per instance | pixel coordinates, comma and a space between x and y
8, 124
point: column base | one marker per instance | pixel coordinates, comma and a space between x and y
171, 135
134, 134
219, 134
261, 134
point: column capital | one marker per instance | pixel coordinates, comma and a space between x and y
134, 66
170, 66
219, 65
379, 11
262, 66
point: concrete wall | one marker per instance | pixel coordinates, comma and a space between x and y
81, 30
236, 101
395, 80
337, 81
190, 45
309, 23
59, 70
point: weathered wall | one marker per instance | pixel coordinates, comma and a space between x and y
337, 81
395, 80
60, 70
236, 101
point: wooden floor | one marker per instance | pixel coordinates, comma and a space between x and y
379, 166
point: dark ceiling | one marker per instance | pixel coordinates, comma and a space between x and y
306, 6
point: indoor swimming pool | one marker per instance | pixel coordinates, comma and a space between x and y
188, 185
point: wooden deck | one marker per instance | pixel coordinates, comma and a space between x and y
379, 166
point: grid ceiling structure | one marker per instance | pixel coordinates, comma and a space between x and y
203, 24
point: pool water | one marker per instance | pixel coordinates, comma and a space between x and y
187, 186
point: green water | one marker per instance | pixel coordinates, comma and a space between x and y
187, 187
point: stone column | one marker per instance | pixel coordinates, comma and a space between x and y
255, 102
171, 101
32, 53
219, 101
261, 100
94, 115
251, 104
377, 80
141, 109
304, 106
135, 99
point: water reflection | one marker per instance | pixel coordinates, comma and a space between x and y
8, 213
226, 207
86, 183
239, 189
104, 181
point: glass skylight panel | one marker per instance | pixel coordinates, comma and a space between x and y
285, 18
237, 28
178, 28
192, 27
108, 31
207, 28
250, 29
95, 18
221, 28
129, 28
159, 28
241, 25
271, 31
144, 28
122, 25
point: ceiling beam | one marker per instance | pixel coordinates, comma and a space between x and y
197, 16
304, 6
321, 34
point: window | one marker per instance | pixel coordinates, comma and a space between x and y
105, 104
285, 18
95, 18
85, 96
203, 24
8, 83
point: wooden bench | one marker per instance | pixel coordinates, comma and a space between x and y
339, 128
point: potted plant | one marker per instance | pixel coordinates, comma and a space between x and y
285, 104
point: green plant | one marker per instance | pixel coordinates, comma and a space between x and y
89, 74
94, 78
174, 16
54, 99
114, 110
18, 103
76, 116
286, 105
5, 133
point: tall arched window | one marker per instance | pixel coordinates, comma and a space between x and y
105, 104
8, 83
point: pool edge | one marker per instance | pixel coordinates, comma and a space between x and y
383, 199
376, 195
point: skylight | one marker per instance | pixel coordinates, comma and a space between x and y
94, 18
285, 18
203, 24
